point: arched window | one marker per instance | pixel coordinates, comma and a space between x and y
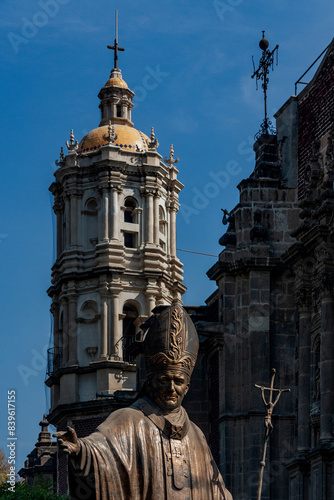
162, 221
129, 210
87, 332
89, 310
130, 312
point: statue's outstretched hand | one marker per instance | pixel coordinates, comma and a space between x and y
68, 441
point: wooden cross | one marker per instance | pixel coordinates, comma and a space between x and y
269, 406
115, 47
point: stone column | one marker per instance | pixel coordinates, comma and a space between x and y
105, 214
67, 222
114, 214
304, 376
74, 220
149, 217
65, 332
113, 110
327, 367
150, 304
104, 327
172, 245
72, 330
55, 314
80, 221
156, 220
59, 236
115, 334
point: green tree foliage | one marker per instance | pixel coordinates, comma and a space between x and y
40, 490
4, 467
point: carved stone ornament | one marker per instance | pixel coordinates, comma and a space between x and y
326, 282
111, 137
329, 159
72, 146
171, 160
316, 300
323, 254
91, 351
61, 161
153, 142
304, 296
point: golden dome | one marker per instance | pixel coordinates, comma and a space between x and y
116, 82
126, 137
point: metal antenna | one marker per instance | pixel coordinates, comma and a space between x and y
269, 406
115, 47
266, 61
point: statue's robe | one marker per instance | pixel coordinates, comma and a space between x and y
139, 453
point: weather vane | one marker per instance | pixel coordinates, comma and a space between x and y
261, 73
115, 47
269, 406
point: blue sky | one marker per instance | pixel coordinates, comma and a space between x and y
199, 96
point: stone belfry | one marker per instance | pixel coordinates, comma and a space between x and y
116, 203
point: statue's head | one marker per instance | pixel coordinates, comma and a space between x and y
171, 347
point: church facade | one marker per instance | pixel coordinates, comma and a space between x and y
274, 306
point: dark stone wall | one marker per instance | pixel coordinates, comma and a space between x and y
315, 114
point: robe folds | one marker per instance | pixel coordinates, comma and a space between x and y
138, 454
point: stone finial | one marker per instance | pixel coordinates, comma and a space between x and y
171, 161
153, 143
111, 136
61, 158
44, 436
72, 145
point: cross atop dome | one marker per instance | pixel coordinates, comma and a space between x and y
115, 47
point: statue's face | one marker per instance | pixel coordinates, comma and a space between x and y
167, 388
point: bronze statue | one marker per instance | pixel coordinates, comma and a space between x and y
150, 450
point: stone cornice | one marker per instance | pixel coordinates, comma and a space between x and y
262, 182
323, 451
243, 265
93, 367
96, 407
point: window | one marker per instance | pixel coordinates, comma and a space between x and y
162, 221
129, 210
129, 240
119, 111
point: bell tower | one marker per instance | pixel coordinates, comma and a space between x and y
116, 201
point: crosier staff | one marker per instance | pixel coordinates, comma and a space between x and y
269, 406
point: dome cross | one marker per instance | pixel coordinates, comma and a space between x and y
115, 47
